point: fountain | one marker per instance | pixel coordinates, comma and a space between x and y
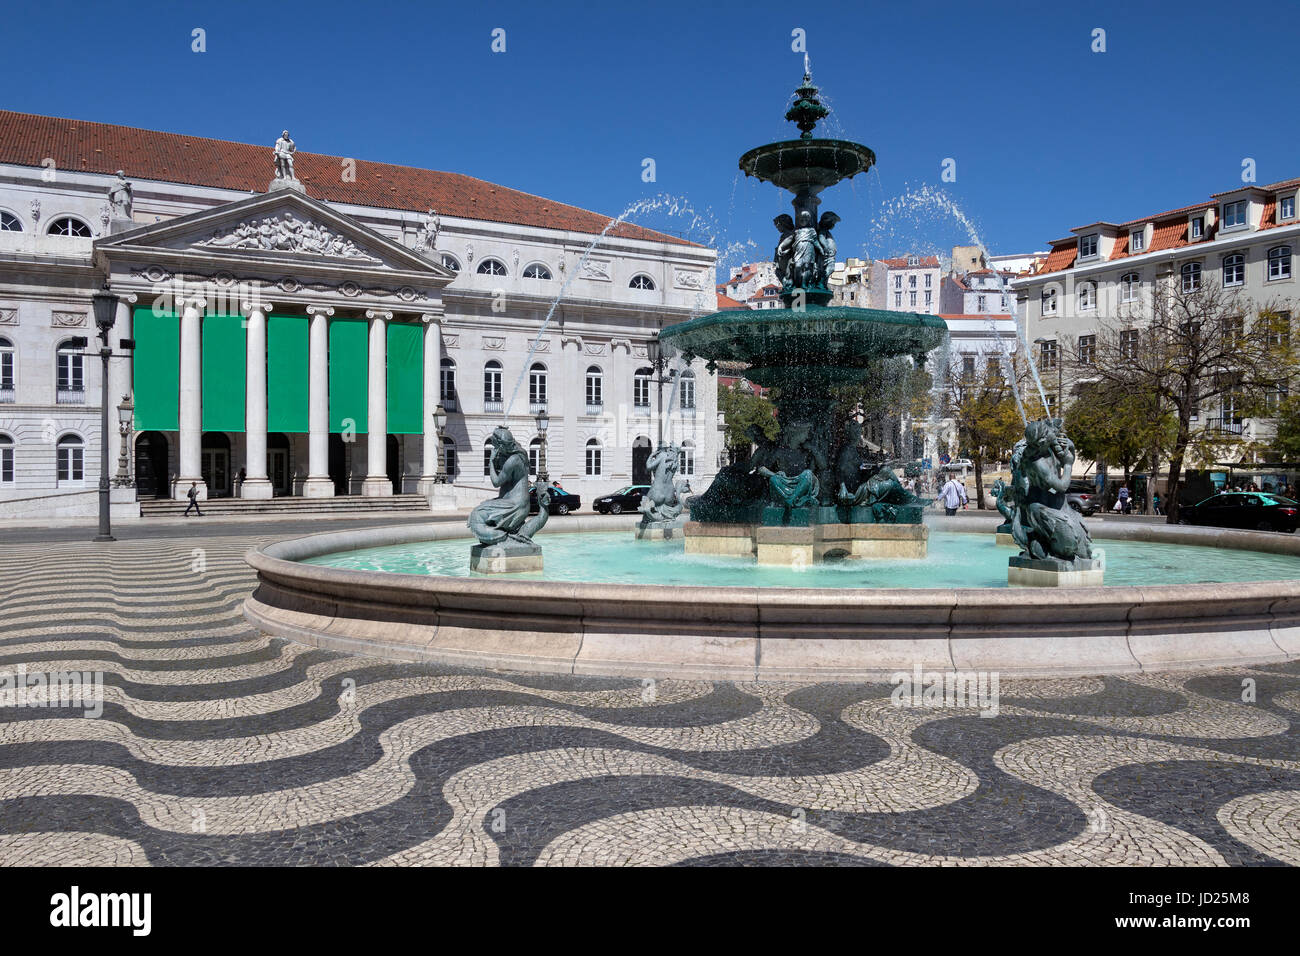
802, 498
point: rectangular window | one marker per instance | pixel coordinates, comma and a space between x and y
1137, 240
898, 300
71, 464
968, 368
1274, 398
449, 463
593, 461
898, 282
928, 278
993, 368
71, 372
1087, 246
1128, 343
981, 304
687, 387
1198, 227
1286, 209
641, 391
1087, 349
6, 370
447, 383
911, 299
911, 282
929, 299
1234, 214
6, 465
1279, 333
537, 388
1048, 354
1279, 263
1049, 302
1234, 327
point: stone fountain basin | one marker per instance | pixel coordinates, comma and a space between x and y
749, 634
798, 164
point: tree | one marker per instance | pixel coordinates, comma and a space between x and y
1120, 426
1187, 348
741, 410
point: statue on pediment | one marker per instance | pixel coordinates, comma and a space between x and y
284, 150
119, 196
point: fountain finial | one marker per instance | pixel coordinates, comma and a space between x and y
807, 108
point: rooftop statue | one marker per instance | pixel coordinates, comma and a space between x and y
663, 502
119, 196
284, 150
1041, 522
506, 516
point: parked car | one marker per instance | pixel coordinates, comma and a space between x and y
1254, 511
1082, 497
959, 464
562, 503
625, 499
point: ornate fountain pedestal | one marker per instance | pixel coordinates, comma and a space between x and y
1029, 572
798, 544
508, 557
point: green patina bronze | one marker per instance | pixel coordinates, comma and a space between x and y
813, 472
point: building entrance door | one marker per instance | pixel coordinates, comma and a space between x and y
277, 468
640, 455
216, 471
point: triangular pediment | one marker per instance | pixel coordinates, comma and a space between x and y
286, 227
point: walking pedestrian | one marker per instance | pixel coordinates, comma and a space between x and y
1155, 503
193, 495
952, 495
1125, 502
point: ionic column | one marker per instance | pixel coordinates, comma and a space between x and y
318, 483
119, 383
256, 483
191, 400
432, 392
376, 483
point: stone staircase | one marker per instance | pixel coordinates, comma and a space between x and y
349, 504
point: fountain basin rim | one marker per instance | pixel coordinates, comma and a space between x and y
753, 634
816, 313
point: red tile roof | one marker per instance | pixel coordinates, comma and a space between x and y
727, 302
922, 262
1061, 257
30, 140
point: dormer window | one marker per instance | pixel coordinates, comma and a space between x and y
913, 261
1198, 227
1088, 246
1234, 214
1137, 240
1286, 207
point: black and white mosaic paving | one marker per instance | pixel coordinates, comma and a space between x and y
219, 745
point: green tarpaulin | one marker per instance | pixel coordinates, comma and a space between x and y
225, 353
157, 371
287, 398
405, 379
348, 374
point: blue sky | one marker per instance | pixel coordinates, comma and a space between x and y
1046, 134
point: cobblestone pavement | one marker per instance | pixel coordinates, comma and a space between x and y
220, 745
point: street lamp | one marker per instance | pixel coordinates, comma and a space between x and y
105, 305
439, 423
125, 411
543, 422
1060, 368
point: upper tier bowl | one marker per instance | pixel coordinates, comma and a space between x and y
799, 164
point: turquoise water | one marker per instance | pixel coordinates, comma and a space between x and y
954, 561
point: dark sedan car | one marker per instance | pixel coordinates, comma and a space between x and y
1251, 510
1083, 498
625, 499
561, 501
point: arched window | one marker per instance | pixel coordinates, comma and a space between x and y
70, 379
450, 263
70, 459
487, 459
449, 466
447, 381
1049, 302
491, 267
6, 370
641, 281
686, 386
9, 222
593, 458
537, 271
641, 387
68, 226
1087, 297
492, 386
686, 461
595, 390
1234, 270
6, 460
1279, 263
1129, 285
534, 454
1191, 273
537, 387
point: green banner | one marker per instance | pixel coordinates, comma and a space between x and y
225, 353
405, 379
288, 397
156, 371
349, 376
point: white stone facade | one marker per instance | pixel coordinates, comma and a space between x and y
184, 251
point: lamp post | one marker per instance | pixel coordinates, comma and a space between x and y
543, 422
125, 410
440, 423
105, 305
1060, 368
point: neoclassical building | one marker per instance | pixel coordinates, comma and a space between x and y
297, 321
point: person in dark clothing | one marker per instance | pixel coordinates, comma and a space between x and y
193, 495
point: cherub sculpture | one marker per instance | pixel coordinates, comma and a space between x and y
1041, 522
